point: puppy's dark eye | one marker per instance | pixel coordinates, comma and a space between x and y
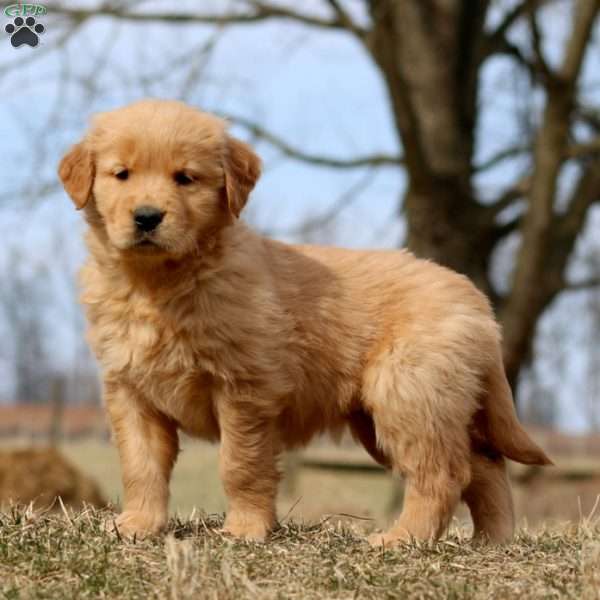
122, 175
182, 178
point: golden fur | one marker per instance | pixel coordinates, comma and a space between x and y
205, 326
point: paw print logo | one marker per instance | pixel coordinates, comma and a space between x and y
24, 32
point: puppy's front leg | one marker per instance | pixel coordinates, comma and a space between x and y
148, 445
248, 468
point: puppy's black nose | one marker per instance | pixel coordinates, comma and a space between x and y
147, 218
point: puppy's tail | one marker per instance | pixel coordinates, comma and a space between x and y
504, 431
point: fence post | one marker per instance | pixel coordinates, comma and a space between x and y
57, 409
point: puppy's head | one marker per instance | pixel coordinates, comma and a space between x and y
161, 176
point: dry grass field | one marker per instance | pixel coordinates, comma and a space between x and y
318, 552
70, 555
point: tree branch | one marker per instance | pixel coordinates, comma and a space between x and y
584, 285
584, 149
586, 12
590, 116
586, 193
374, 160
344, 18
580, 150
497, 40
536, 41
512, 50
260, 12
501, 230
501, 156
511, 17
517, 191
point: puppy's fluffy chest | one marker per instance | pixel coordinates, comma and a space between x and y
162, 351
179, 347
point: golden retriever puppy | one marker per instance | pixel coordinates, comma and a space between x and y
202, 325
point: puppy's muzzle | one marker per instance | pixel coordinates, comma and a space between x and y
147, 218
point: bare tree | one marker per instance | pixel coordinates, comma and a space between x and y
591, 395
431, 55
21, 304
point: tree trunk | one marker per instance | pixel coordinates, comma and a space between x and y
429, 54
453, 238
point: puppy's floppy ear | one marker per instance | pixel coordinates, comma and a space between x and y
242, 170
76, 171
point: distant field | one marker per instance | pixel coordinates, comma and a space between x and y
565, 493
72, 557
552, 497
196, 485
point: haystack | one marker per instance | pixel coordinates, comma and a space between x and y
41, 475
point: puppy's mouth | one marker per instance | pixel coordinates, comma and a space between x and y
147, 245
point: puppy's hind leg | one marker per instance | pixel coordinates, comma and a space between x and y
424, 433
489, 499
434, 485
428, 509
362, 429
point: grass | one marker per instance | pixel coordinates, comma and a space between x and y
70, 555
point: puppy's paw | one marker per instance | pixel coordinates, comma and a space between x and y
248, 526
388, 539
136, 523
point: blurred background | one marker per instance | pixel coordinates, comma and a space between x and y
467, 130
